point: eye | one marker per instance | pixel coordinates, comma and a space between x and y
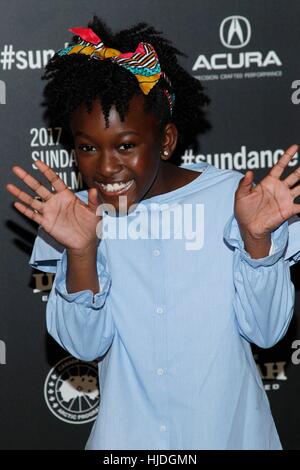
126, 146
86, 148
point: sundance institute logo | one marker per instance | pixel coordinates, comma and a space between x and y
71, 391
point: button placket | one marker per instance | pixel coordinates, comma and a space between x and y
159, 314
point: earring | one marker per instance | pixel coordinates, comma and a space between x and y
165, 153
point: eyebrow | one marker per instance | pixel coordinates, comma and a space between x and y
122, 133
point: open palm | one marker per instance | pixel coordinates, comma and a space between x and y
262, 208
63, 215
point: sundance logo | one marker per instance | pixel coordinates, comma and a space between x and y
43, 284
272, 373
235, 33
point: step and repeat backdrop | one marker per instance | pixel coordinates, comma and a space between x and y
246, 53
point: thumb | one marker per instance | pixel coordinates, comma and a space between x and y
245, 184
92, 199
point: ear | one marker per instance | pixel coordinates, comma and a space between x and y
169, 142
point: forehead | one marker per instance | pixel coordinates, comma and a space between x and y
136, 118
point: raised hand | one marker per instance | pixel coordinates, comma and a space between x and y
63, 215
261, 209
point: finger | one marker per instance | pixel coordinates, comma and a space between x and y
51, 176
295, 191
245, 184
32, 183
283, 161
296, 208
92, 199
35, 216
24, 197
293, 178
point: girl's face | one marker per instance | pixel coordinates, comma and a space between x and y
126, 158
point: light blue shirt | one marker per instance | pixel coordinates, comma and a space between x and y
173, 326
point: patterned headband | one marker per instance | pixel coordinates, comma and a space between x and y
143, 62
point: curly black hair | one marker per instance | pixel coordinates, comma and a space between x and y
73, 80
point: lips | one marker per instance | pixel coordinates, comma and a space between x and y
114, 189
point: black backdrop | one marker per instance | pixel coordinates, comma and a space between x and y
253, 79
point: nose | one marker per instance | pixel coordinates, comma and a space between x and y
108, 164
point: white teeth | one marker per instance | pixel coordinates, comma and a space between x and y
115, 186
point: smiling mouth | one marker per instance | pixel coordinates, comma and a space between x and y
115, 188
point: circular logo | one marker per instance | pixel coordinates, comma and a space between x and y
235, 32
71, 390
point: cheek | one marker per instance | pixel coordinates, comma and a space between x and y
145, 164
86, 168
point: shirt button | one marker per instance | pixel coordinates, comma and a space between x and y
162, 428
159, 310
156, 252
160, 371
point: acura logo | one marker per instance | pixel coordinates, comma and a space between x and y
235, 32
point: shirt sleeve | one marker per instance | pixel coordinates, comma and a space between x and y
81, 322
264, 293
46, 252
272, 249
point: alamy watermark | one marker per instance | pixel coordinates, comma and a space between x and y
2, 92
153, 221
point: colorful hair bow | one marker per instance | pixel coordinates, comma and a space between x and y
143, 62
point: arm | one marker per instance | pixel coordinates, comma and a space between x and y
82, 270
78, 317
73, 318
264, 294
81, 321
257, 248
264, 299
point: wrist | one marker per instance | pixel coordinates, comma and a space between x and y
84, 252
82, 269
257, 247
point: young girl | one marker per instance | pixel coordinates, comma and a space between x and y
171, 319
